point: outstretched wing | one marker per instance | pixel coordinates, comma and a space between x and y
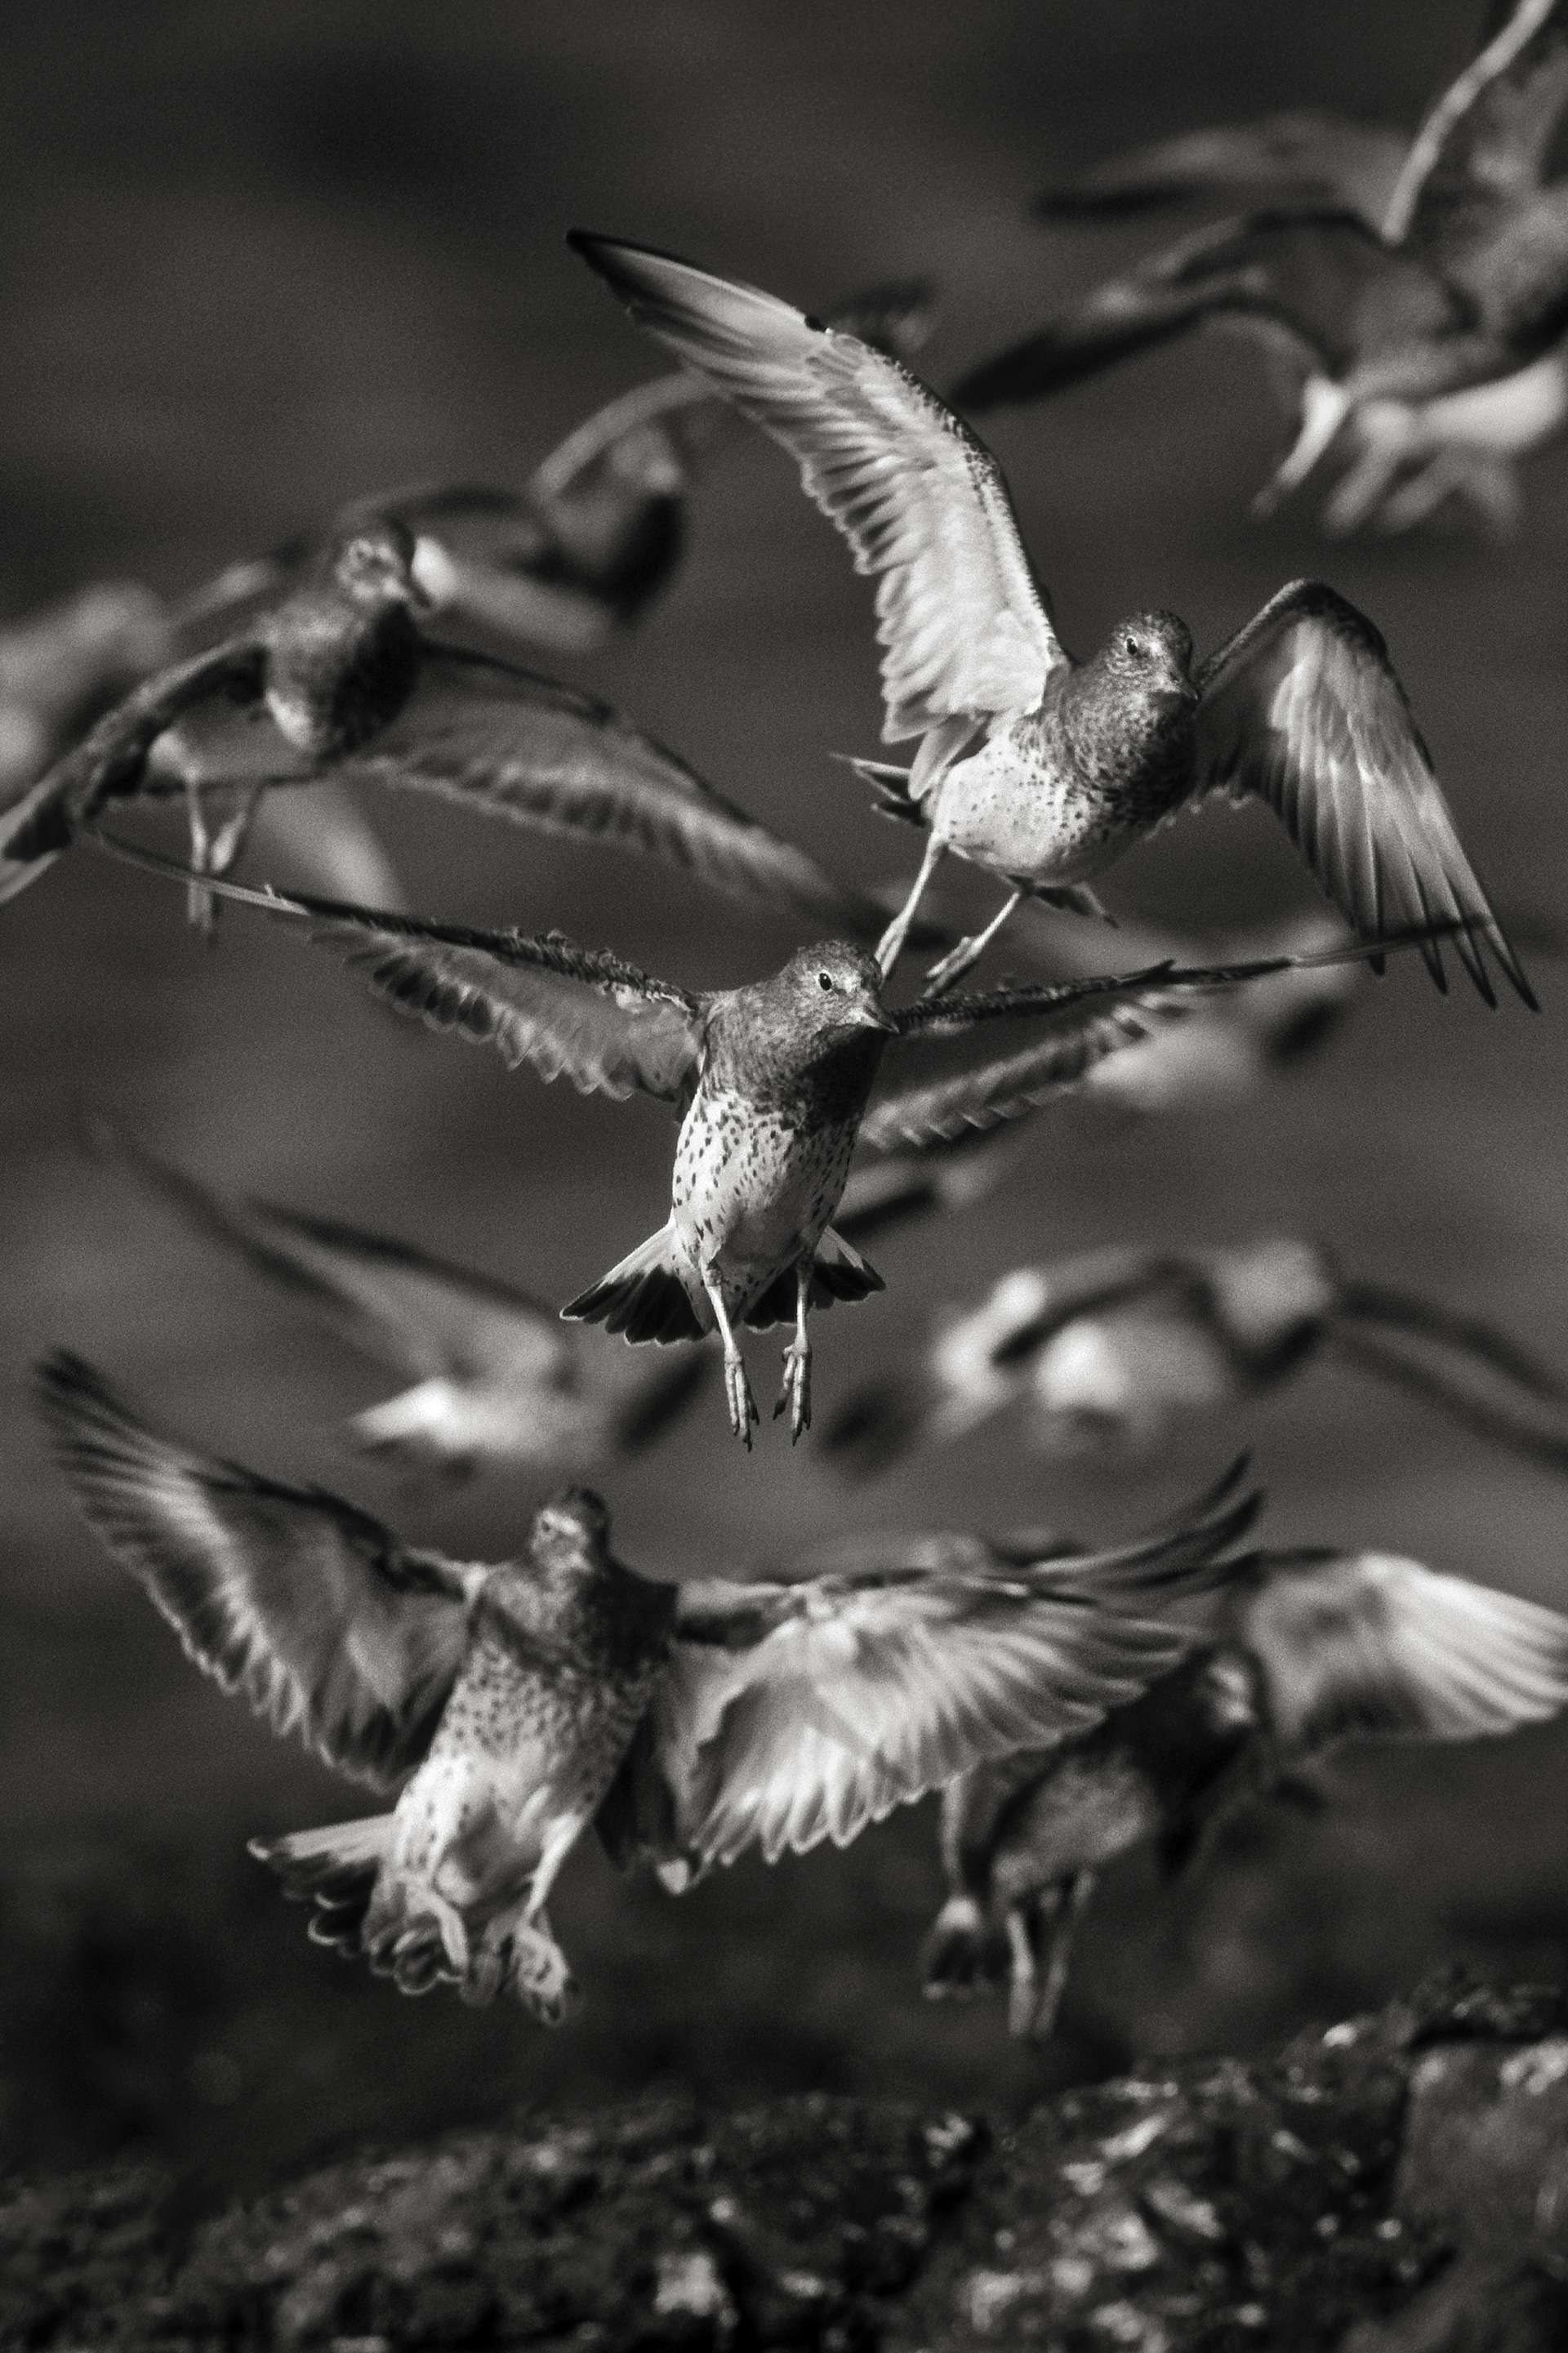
310, 1609
1321, 284
920, 501
1485, 141
1368, 1646
1306, 155
1303, 709
794, 1714
501, 741
581, 1013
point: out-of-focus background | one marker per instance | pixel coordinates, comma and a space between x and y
258, 258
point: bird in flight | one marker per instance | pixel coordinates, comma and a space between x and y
497, 1382
340, 679
773, 1081
521, 1702
1302, 1651
1109, 1348
1415, 306
1040, 768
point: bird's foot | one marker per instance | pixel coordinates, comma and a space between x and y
743, 1405
950, 967
890, 946
795, 1394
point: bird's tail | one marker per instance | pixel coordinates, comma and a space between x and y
890, 788
645, 1297
335, 1870
965, 1952
838, 1272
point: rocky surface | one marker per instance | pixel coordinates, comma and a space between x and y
1396, 2184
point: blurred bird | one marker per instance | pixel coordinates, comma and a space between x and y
1419, 313
1109, 1348
1306, 1648
1042, 769
499, 1383
589, 543
64, 665
519, 1701
773, 1081
339, 679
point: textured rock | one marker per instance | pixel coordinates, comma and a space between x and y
1398, 2184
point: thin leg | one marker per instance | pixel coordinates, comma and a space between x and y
968, 952
201, 908
737, 1388
1043, 1932
232, 834
796, 1391
1324, 407
890, 946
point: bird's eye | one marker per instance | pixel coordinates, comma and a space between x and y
825, 980
1130, 645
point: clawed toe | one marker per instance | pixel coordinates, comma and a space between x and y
795, 1394
742, 1404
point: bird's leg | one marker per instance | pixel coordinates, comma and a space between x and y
201, 907
890, 946
1040, 1935
737, 1388
232, 834
1324, 407
517, 1949
796, 1390
968, 952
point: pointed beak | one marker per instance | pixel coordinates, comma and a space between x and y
869, 1016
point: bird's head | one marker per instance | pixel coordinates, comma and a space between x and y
375, 564
1151, 654
834, 990
573, 1524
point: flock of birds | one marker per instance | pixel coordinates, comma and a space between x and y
1068, 1702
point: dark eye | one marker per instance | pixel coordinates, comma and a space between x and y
1130, 646
825, 980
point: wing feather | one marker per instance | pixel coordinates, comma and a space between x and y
1485, 140
920, 499
308, 1606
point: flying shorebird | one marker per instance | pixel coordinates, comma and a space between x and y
1419, 313
773, 1081
587, 545
1109, 1348
497, 1382
1042, 769
340, 679
522, 1701
1306, 1648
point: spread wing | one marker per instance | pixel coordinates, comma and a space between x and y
1368, 1646
311, 1609
1322, 285
1484, 143
1303, 709
581, 1013
798, 1713
920, 501
421, 1315
1309, 157
501, 741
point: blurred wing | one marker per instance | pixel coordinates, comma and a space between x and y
793, 1713
920, 501
1485, 141
1368, 1646
1008, 1087
1321, 284
581, 1013
1316, 158
310, 1609
1303, 709
419, 1313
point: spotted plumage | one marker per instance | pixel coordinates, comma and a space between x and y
514, 1704
1042, 769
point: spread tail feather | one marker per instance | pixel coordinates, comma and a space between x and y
964, 1954
645, 1297
335, 1870
838, 1272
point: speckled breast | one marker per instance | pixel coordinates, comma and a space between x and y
754, 1184
1029, 804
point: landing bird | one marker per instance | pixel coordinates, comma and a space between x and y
1111, 1348
1420, 311
497, 1382
521, 1702
588, 543
773, 1081
1305, 1649
1042, 769
339, 679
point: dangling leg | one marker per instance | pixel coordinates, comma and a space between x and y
201, 908
232, 834
1041, 1934
890, 946
1324, 407
737, 1388
518, 1950
796, 1390
968, 952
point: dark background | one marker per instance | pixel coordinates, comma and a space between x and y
260, 257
